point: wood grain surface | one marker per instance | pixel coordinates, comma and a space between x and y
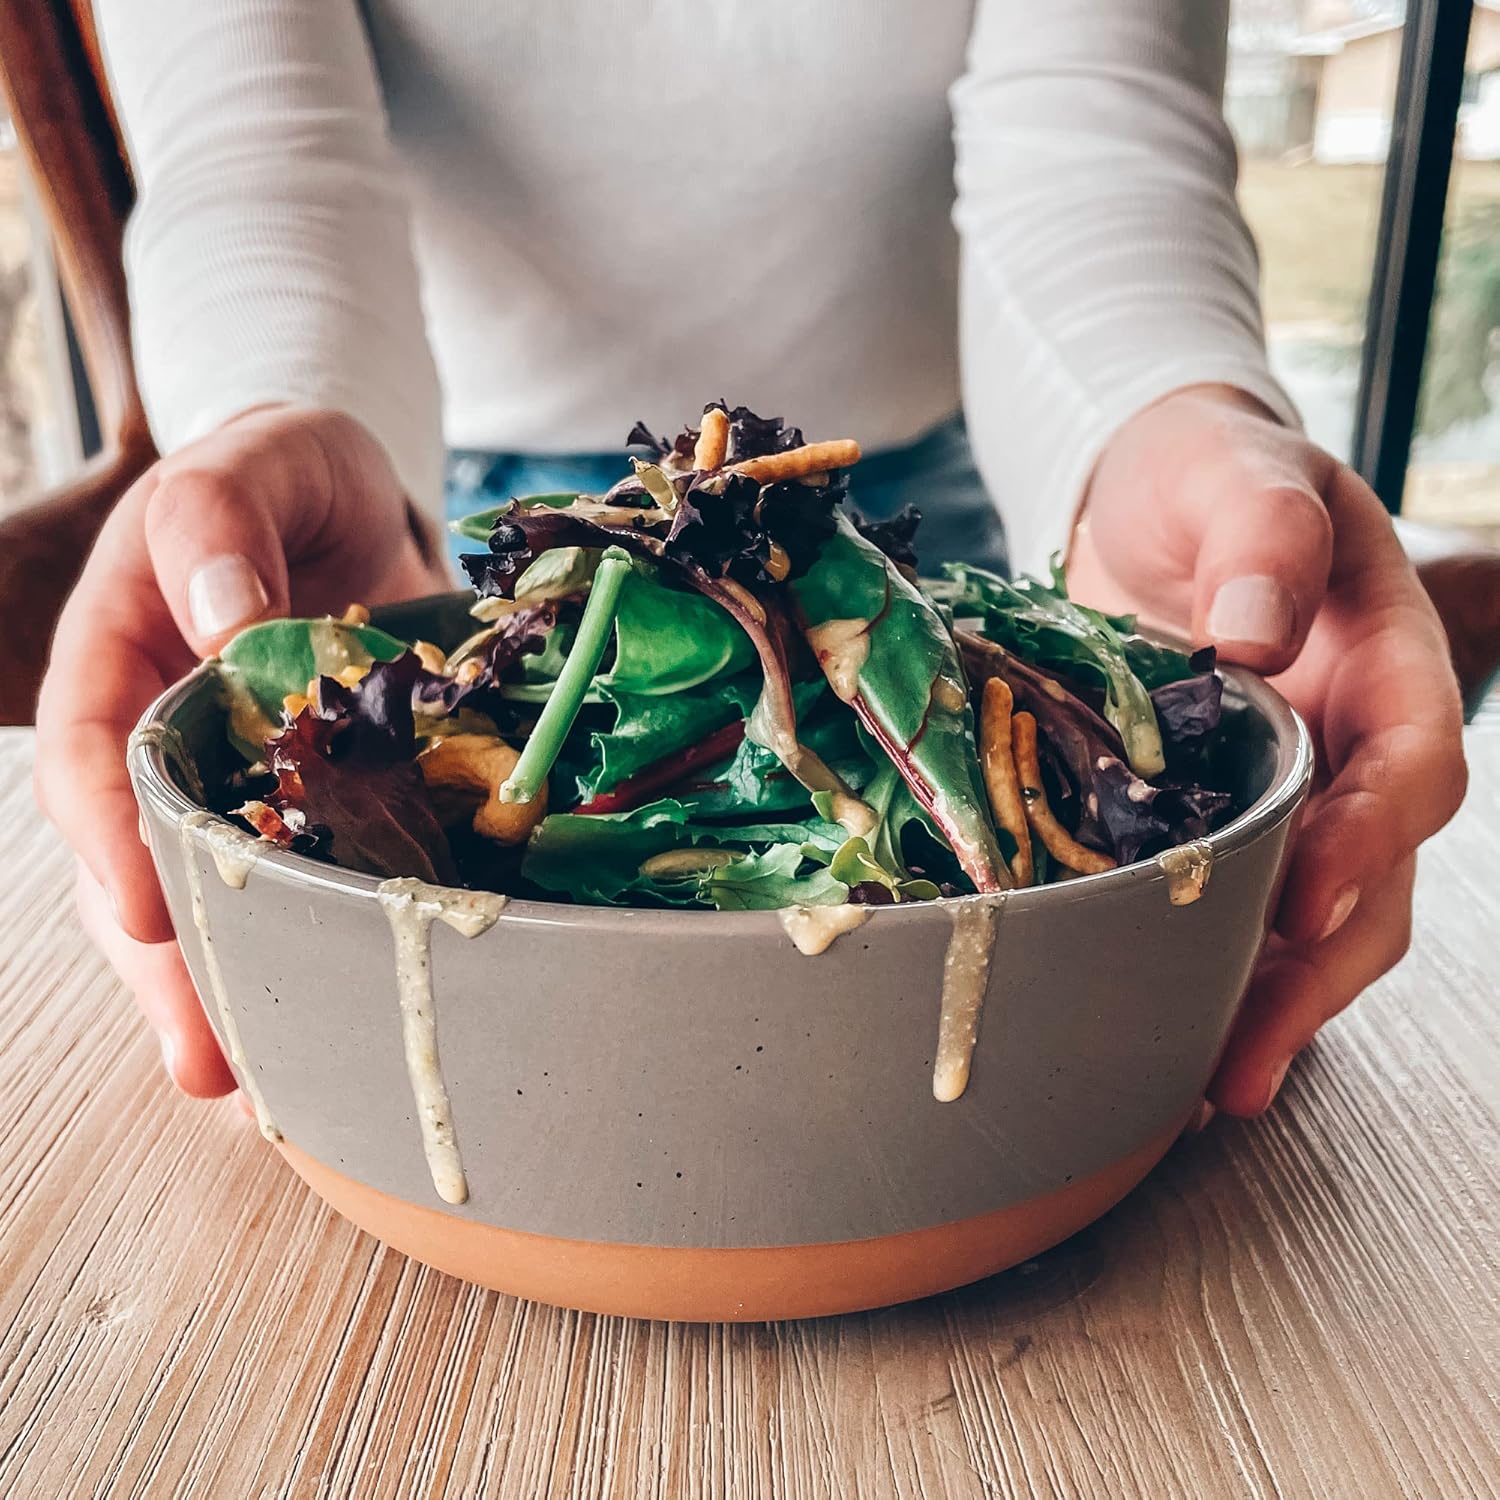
1307, 1305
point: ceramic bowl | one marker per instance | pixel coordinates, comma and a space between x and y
682, 1115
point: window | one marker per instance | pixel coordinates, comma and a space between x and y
1454, 476
38, 415
1310, 93
1337, 198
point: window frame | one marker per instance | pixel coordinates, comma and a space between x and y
1408, 242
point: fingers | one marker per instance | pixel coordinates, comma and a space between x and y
115, 649
1391, 719
1300, 988
1397, 791
158, 980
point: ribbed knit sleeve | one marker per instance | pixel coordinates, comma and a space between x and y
1104, 260
269, 255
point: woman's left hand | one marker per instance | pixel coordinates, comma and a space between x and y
1209, 518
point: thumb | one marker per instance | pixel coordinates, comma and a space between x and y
1209, 514
1261, 571
215, 518
218, 559
281, 509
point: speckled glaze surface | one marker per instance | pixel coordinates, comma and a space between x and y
691, 1081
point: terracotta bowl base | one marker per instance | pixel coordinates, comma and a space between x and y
730, 1286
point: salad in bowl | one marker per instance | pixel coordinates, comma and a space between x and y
517, 891
716, 685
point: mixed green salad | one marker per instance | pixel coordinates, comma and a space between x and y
717, 686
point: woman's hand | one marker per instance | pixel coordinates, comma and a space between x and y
1208, 517
279, 511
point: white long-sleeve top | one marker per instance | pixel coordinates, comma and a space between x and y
522, 224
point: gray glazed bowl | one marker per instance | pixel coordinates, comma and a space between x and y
678, 1114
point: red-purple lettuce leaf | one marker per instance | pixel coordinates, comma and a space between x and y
347, 770
523, 632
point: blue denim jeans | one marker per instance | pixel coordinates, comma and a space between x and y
936, 474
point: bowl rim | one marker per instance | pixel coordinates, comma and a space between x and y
146, 761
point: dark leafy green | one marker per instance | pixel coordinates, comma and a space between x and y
671, 639
649, 727
1040, 622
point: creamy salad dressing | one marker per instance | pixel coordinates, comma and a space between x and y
248, 721
334, 647
947, 693
815, 929
857, 818
168, 739
966, 978
234, 856
842, 647
1187, 869
411, 907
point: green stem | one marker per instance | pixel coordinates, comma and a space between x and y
541, 750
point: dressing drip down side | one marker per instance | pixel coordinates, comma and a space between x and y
411, 907
234, 855
1187, 869
966, 978
814, 929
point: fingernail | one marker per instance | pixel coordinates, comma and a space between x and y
1278, 1077
224, 594
1202, 1116
1343, 904
169, 1055
1255, 609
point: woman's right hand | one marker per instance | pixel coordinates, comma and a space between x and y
279, 511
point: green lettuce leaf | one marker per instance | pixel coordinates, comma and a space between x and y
770, 882
648, 727
599, 859
667, 639
754, 779
887, 650
265, 662
478, 526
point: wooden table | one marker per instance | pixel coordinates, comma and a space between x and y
1306, 1305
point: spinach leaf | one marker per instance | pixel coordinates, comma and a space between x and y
668, 639
648, 727
266, 662
754, 779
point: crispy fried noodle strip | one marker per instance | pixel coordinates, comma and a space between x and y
798, 463
1060, 844
713, 440
1001, 779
